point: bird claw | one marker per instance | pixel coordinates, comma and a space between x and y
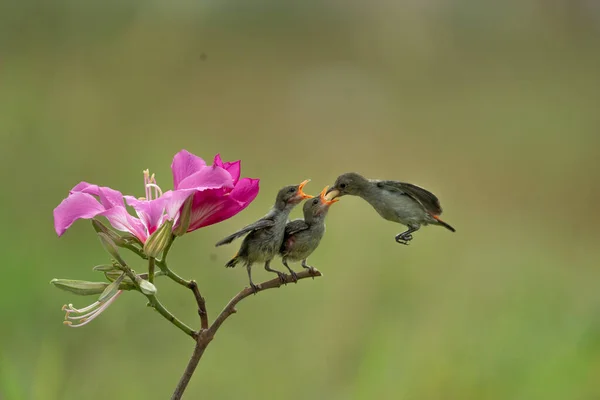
404, 238
255, 288
282, 278
311, 270
294, 276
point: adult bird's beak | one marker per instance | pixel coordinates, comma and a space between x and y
331, 194
324, 198
301, 193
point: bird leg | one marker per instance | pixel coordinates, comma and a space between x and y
405, 237
292, 272
308, 267
254, 287
280, 274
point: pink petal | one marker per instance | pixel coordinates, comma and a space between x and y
108, 197
207, 178
234, 168
174, 200
185, 164
121, 220
151, 212
77, 205
213, 206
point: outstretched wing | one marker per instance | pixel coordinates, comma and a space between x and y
260, 224
295, 226
425, 198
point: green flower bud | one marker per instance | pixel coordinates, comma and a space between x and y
105, 268
109, 245
81, 288
146, 287
159, 240
99, 227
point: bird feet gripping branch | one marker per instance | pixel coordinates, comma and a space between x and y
312, 270
282, 277
292, 272
255, 288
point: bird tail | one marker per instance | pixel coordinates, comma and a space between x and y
233, 262
444, 224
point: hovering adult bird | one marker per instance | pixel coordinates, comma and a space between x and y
302, 236
400, 202
264, 237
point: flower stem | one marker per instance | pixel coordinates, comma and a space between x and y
205, 336
151, 262
167, 271
190, 285
157, 305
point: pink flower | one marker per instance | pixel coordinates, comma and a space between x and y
218, 194
216, 204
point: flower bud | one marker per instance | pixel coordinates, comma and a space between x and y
99, 227
81, 288
109, 245
105, 268
146, 287
159, 240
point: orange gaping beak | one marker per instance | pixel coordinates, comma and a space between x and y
301, 193
324, 196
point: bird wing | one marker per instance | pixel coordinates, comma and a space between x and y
425, 198
260, 224
292, 227
295, 226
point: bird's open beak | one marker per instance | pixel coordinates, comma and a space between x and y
331, 194
324, 197
301, 194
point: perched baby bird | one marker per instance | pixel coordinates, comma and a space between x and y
400, 202
302, 236
264, 237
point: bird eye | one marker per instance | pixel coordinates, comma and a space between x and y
342, 186
292, 190
316, 201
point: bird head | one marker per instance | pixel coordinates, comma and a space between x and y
349, 183
292, 195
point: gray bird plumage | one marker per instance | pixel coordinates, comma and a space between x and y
302, 236
395, 201
264, 237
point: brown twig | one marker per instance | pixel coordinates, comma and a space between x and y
205, 336
201, 305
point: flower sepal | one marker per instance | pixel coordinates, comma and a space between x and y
185, 217
159, 240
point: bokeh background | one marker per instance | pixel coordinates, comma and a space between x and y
494, 106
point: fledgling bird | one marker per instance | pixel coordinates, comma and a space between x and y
264, 237
400, 202
302, 236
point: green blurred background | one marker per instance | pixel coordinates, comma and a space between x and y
494, 106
